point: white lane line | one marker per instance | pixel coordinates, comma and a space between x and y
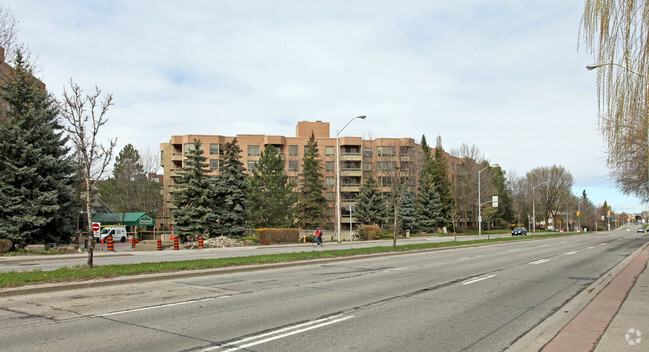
160, 306
395, 269
570, 253
238, 345
471, 281
540, 261
591, 247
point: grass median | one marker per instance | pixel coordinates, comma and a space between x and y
66, 274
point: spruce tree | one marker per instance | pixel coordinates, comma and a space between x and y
370, 204
232, 194
442, 182
311, 203
36, 174
193, 198
272, 196
428, 205
429, 208
407, 212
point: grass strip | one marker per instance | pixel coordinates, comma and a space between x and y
13, 278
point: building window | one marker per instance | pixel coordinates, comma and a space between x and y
329, 166
188, 147
214, 149
306, 148
386, 151
253, 150
386, 165
330, 182
367, 167
214, 164
330, 195
367, 153
292, 150
329, 151
252, 166
385, 181
293, 165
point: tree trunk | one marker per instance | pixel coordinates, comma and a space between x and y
91, 239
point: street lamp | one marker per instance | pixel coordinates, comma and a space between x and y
534, 206
480, 203
362, 117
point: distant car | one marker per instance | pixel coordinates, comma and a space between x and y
641, 229
519, 231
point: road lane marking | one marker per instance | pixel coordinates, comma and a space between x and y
570, 253
515, 250
471, 281
291, 330
395, 269
540, 261
159, 306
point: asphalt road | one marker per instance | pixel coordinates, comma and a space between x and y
124, 254
464, 299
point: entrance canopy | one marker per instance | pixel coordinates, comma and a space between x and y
128, 219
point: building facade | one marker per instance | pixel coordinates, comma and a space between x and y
388, 160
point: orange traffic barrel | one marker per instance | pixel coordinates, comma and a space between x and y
111, 244
200, 242
176, 243
159, 244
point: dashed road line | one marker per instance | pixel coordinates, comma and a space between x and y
540, 261
471, 281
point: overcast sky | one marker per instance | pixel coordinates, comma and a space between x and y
506, 76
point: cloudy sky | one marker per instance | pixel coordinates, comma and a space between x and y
503, 75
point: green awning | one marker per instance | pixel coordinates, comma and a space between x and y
128, 219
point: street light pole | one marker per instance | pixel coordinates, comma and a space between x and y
362, 117
480, 203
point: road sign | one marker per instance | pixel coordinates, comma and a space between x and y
96, 226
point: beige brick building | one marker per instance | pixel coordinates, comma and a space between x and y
388, 160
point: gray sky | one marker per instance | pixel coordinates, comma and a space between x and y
503, 75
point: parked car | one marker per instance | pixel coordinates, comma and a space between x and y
519, 231
118, 233
641, 229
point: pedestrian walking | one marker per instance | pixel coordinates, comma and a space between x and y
318, 238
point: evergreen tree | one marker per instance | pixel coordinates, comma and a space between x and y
311, 203
36, 174
271, 194
193, 198
129, 190
441, 182
370, 204
505, 211
231, 194
429, 208
407, 212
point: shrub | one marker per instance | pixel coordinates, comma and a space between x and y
278, 235
369, 232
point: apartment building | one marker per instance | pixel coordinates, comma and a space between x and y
388, 160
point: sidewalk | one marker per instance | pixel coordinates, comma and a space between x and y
615, 319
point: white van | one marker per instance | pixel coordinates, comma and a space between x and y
118, 233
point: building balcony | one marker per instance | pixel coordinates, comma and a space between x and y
351, 172
350, 188
176, 156
351, 157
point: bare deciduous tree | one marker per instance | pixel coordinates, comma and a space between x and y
85, 115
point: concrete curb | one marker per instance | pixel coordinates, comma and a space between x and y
546, 331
